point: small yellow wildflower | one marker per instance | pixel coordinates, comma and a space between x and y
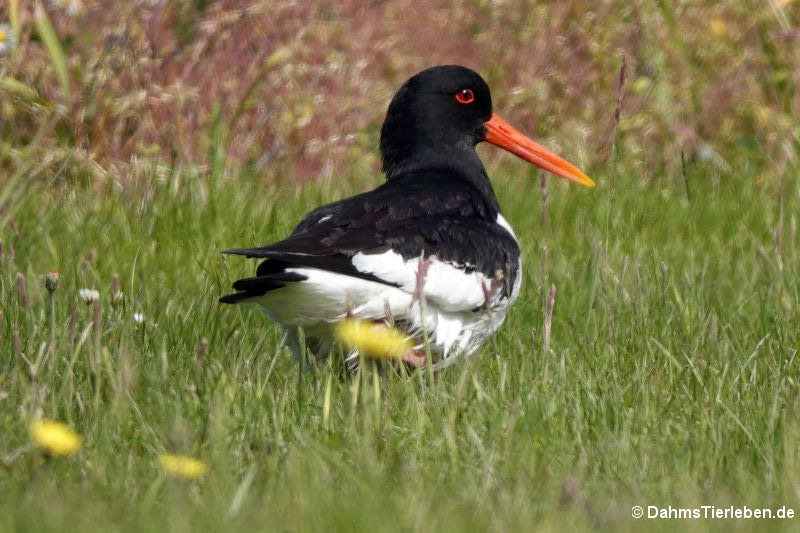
373, 339
54, 437
718, 27
181, 466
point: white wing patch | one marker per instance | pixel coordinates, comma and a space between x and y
445, 285
501, 221
325, 297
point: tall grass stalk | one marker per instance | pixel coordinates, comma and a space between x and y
53, 45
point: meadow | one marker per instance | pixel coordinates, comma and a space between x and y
667, 374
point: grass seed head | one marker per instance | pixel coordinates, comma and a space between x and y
51, 281
116, 291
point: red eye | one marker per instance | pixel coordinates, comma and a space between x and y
465, 96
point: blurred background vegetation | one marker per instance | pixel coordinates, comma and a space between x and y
98, 90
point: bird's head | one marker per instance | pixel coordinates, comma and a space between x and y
440, 114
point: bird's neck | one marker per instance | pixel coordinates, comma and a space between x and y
462, 163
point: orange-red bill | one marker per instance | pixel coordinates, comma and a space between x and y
502, 134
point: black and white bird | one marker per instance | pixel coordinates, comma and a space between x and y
427, 251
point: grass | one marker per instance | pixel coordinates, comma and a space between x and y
671, 376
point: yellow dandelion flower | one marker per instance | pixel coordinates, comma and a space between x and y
373, 339
54, 437
182, 466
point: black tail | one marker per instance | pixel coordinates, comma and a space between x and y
260, 285
236, 297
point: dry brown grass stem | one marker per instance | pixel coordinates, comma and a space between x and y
116, 291
202, 348
612, 138
543, 186
22, 290
548, 316
97, 318
17, 343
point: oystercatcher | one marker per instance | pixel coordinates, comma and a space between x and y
428, 251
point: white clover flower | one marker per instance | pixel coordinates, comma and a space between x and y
7, 41
89, 295
138, 318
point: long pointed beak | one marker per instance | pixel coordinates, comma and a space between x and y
502, 134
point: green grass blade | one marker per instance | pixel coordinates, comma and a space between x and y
53, 45
13, 16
